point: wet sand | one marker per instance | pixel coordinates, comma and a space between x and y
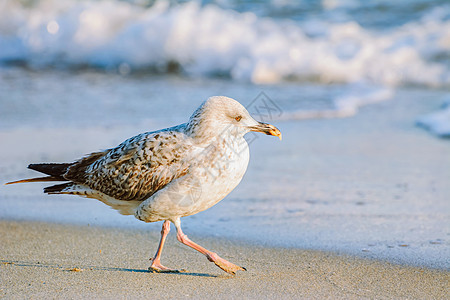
43, 260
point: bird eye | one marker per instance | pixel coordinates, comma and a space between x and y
238, 118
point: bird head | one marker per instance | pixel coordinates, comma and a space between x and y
223, 114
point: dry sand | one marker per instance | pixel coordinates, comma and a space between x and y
42, 261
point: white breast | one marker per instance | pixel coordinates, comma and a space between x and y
217, 170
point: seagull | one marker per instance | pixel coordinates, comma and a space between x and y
167, 174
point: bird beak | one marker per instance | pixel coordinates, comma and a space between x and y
267, 129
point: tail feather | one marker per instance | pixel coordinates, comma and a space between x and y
38, 179
52, 169
55, 189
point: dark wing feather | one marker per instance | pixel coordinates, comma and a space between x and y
137, 168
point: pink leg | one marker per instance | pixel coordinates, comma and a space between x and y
211, 256
156, 261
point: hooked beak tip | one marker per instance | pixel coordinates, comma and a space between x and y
276, 132
268, 129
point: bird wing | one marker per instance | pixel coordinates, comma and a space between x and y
137, 168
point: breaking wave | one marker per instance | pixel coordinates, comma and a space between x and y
207, 40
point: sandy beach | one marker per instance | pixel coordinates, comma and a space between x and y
352, 203
42, 261
383, 236
367, 218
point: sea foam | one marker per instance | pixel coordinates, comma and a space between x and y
206, 40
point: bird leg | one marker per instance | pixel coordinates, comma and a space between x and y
211, 256
156, 266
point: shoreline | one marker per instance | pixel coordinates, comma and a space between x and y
153, 232
71, 261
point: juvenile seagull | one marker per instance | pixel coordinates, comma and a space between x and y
167, 174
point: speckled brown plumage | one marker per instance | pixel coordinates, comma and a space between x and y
132, 171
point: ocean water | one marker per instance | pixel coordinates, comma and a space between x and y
330, 41
361, 50
78, 76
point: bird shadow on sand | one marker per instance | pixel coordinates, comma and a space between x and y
97, 268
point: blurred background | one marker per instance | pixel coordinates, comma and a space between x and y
91, 56
350, 80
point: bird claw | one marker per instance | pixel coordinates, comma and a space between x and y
228, 267
157, 267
